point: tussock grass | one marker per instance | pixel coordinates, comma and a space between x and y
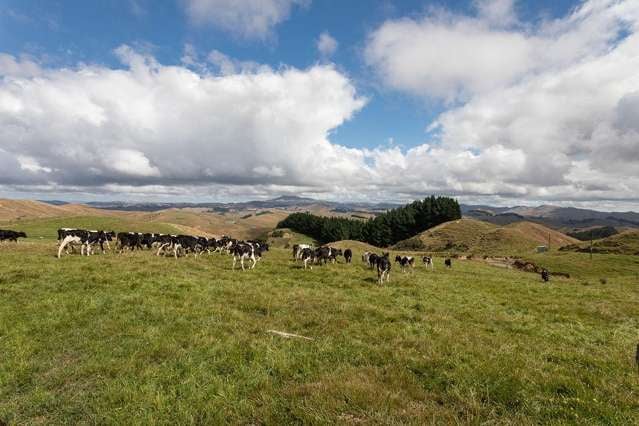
138, 339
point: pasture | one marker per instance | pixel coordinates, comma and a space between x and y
140, 339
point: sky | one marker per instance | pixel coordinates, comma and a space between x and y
502, 102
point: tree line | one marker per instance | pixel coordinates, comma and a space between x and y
383, 230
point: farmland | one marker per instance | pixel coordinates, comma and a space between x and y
137, 338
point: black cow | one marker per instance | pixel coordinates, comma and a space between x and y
545, 275
383, 268
448, 263
372, 260
11, 235
348, 255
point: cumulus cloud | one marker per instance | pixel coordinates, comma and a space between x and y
544, 113
555, 129
253, 19
151, 124
326, 45
455, 57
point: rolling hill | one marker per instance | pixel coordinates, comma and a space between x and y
565, 218
12, 210
475, 236
40, 219
626, 242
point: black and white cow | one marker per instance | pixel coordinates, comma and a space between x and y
383, 268
365, 257
308, 255
11, 235
242, 250
86, 239
405, 262
297, 250
428, 261
348, 255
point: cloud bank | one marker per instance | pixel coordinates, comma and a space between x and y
535, 113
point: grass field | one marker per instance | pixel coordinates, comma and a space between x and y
138, 339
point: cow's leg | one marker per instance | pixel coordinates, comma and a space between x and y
242, 261
63, 244
234, 260
161, 248
254, 261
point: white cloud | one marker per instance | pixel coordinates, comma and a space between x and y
543, 113
560, 129
454, 57
326, 45
244, 18
151, 124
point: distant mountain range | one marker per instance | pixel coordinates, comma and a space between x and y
287, 202
564, 218
567, 218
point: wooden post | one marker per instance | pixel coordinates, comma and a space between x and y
591, 244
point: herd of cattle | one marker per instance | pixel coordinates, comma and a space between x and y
183, 245
310, 256
163, 244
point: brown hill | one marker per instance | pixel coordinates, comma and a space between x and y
12, 210
626, 242
474, 236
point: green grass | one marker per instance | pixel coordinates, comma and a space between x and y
138, 339
47, 228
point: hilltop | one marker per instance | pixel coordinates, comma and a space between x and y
623, 243
475, 236
11, 210
34, 217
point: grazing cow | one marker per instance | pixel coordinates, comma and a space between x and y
334, 253
428, 261
297, 250
348, 255
165, 243
545, 275
308, 255
448, 263
372, 260
405, 262
365, 256
130, 240
243, 251
187, 244
383, 268
84, 238
11, 235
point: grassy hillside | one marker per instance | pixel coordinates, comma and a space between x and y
474, 236
139, 339
626, 242
236, 224
286, 238
26, 215
47, 228
13, 210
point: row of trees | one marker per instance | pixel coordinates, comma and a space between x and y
384, 230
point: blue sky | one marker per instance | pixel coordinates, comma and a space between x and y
402, 89
72, 31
